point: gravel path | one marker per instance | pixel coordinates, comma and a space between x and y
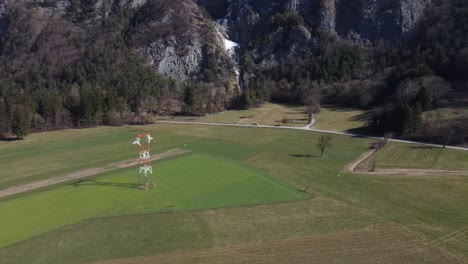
85, 173
310, 129
313, 120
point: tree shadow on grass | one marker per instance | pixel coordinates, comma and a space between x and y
361, 131
82, 183
366, 116
8, 139
301, 112
305, 156
424, 147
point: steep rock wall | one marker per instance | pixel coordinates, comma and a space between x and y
390, 20
180, 54
176, 38
372, 20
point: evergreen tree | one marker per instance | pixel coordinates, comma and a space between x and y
189, 98
416, 117
87, 108
424, 98
4, 120
20, 121
404, 116
111, 100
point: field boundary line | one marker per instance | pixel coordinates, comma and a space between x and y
363, 158
86, 173
353, 167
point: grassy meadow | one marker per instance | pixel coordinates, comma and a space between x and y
399, 155
340, 119
51, 154
330, 117
236, 198
447, 114
191, 182
267, 114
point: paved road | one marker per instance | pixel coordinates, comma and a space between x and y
307, 128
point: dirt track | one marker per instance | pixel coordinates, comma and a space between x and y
85, 173
354, 168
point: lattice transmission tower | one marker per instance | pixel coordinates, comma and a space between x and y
145, 175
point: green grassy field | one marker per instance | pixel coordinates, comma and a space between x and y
191, 182
268, 114
340, 119
398, 155
330, 117
448, 114
51, 154
350, 219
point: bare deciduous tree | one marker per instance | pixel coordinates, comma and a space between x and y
323, 143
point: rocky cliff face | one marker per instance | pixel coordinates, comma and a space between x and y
164, 55
178, 40
251, 23
180, 54
390, 20
3, 20
173, 35
60, 7
384, 19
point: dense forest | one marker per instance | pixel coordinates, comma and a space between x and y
72, 74
401, 84
80, 69
426, 74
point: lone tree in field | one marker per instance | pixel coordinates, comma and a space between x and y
323, 143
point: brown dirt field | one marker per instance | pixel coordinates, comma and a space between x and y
85, 173
354, 168
388, 243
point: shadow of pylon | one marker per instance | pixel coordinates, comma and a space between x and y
82, 183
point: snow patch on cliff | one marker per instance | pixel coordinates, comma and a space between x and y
229, 45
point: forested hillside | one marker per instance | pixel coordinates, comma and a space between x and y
84, 66
61, 71
430, 72
71, 63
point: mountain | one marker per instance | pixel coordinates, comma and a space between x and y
89, 62
369, 20
172, 35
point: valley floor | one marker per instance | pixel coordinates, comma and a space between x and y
242, 195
